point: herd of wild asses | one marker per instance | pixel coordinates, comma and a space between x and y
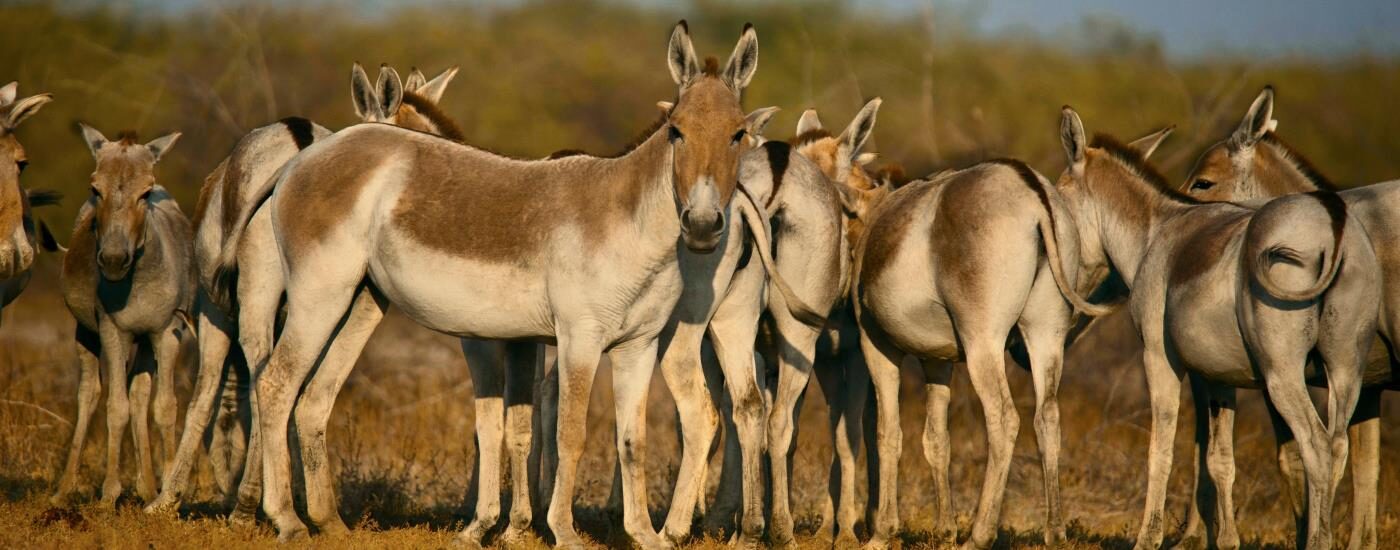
743, 265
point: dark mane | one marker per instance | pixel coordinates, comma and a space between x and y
1300, 162
809, 136
430, 111
562, 153
893, 173
128, 137
711, 66
1137, 164
642, 136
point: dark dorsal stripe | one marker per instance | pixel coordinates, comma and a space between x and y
1337, 210
779, 154
1301, 163
300, 129
1135, 162
444, 124
1032, 180
562, 153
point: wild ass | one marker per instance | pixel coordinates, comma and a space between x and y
21, 234
578, 251
1253, 164
233, 187
128, 274
1232, 295
834, 351
947, 268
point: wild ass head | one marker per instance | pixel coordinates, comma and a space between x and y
708, 132
840, 159
1253, 163
121, 185
1110, 186
17, 228
411, 104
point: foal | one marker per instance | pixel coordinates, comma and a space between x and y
228, 196
1232, 295
1253, 164
19, 232
580, 251
128, 274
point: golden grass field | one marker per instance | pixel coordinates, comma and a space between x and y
402, 441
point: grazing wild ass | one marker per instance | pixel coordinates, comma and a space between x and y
833, 352
1233, 295
230, 190
947, 268
1254, 164
580, 251
128, 274
20, 234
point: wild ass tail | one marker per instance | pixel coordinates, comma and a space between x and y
1048, 227
1263, 249
759, 228
225, 280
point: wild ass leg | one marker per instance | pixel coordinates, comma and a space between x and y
166, 344
1365, 434
1203, 489
937, 377
488, 388
1044, 325
729, 495
987, 369
313, 409
232, 428
522, 360
578, 363
545, 453
796, 347
140, 398
1164, 392
215, 329
633, 363
1219, 457
116, 348
315, 305
89, 391
883, 359
260, 286
685, 378
733, 330
1290, 464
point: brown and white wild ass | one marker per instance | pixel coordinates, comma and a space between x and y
227, 198
128, 276
1233, 295
578, 251
1253, 164
947, 268
20, 234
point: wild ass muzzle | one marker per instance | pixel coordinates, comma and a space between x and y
1232, 295
21, 236
579, 251
230, 193
946, 269
1251, 165
129, 281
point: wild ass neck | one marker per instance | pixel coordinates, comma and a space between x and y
1129, 215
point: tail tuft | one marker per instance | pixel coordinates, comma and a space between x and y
222, 287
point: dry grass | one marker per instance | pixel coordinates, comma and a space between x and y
402, 442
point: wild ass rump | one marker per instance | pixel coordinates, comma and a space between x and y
1233, 295
1254, 165
580, 251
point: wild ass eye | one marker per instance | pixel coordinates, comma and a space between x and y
1202, 185
737, 137
95, 192
675, 135
22, 165
146, 195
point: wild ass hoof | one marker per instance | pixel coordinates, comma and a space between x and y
1192, 541
876, 543
845, 541
1055, 536
294, 533
515, 537
242, 518
111, 491
465, 541
163, 505
335, 528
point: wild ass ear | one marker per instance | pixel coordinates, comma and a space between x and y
94, 139
390, 90
23, 108
1145, 145
855, 135
866, 158
1072, 139
46, 239
1257, 122
680, 55
665, 107
8, 93
416, 79
744, 61
808, 122
433, 89
364, 94
756, 121
160, 145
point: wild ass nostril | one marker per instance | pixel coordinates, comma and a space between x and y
718, 224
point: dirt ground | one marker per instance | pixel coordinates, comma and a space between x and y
401, 439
